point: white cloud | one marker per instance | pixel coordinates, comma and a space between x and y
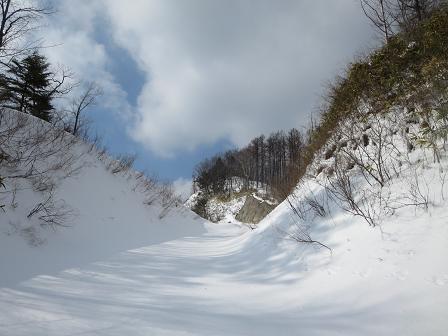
232, 69
70, 32
218, 69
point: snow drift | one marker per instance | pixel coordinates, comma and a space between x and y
121, 269
68, 204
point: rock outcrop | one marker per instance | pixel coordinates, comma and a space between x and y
254, 210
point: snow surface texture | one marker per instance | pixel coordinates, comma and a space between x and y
104, 212
121, 270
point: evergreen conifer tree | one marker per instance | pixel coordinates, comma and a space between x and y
29, 86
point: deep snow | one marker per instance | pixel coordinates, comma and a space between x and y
231, 282
119, 269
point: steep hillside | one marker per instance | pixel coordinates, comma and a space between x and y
391, 279
67, 204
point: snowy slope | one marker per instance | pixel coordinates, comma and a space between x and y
121, 270
107, 213
110, 218
231, 283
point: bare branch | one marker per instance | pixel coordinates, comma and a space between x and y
17, 18
81, 103
380, 13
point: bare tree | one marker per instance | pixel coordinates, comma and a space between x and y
415, 10
381, 14
17, 18
81, 103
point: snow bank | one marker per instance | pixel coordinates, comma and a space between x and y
103, 213
121, 270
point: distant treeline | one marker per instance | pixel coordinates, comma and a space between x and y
268, 163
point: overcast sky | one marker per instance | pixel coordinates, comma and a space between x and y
184, 79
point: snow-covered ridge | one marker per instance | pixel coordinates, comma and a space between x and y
66, 203
123, 270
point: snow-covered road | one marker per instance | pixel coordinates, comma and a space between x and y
216, 284
189, 286
128, 265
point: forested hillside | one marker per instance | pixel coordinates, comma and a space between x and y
269, 163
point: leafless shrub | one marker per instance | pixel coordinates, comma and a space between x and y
299, 233
34, 152
121, 163
315, 205
433, 131
42, 182
50, 212
367, 190
353, 199
416, 192
33, 148
155, 190
94, 141
377, 160
308, 204
144, 183
418, 195
151, 198
150, 185
297, 206
102, 153
168, 198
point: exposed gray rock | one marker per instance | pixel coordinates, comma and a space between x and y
254, 210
